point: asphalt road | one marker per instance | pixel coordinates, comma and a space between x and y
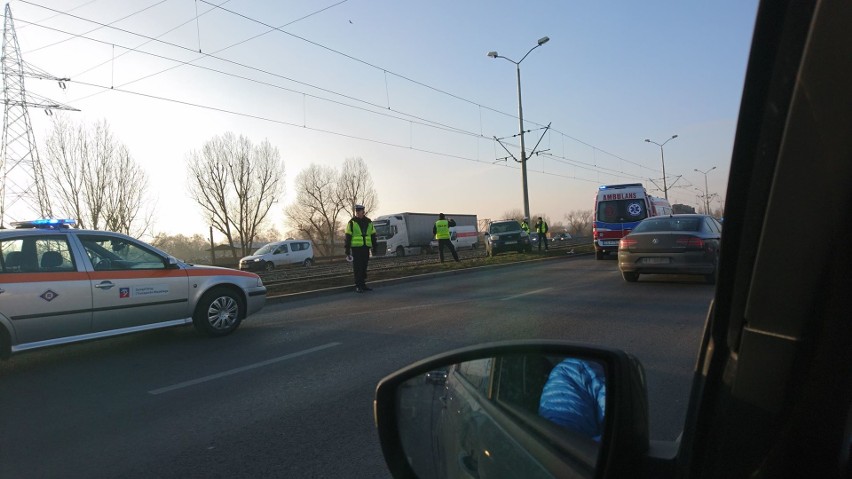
290, 393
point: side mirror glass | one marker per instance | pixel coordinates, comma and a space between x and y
522, 409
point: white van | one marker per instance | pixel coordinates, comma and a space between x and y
461, 236
279, 254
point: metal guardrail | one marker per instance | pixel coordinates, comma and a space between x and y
337, 267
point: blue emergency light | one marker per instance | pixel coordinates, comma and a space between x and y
46, 223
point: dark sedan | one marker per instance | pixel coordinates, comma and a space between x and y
676, 244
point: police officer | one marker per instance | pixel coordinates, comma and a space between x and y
541, 229
525, 225
360, 239
441, 230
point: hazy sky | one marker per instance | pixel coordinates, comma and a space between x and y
407, 86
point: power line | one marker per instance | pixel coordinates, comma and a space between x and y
420, 121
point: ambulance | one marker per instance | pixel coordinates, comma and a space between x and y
618, 209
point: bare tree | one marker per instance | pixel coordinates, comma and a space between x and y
515, 214
325, 196
317, 208
579, 222
236, 183
355, 185
193, 248
95, 179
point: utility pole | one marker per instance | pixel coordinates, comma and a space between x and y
23, 191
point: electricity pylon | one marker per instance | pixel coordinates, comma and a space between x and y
23, 191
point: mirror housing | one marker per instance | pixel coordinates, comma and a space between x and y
623, 446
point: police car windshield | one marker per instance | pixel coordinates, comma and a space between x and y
621, 211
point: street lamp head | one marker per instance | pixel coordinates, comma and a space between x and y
543, 40
647, 140
696, 169
492, 54
674, 136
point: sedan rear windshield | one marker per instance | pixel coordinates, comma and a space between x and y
668, 224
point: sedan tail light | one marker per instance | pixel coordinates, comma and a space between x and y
627, 243
690, 242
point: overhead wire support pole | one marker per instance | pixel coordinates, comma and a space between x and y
21, 169
523, 161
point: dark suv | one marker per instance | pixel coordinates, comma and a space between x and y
506, 235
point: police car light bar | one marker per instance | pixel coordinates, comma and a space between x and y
47, 223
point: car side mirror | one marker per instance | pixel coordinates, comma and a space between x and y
515, 409
171, 262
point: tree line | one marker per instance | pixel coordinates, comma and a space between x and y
234, 182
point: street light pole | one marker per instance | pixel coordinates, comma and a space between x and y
663, 158
541, 42
706, 192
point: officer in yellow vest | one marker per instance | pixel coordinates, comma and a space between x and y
360, 239
441, 230
541, 228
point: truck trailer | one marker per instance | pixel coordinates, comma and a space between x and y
402, 234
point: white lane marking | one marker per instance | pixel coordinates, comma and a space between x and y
240, 370
526, 294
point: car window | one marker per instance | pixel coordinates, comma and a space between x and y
37, 254
281, 249
668, 224
710, 225
477, 373
265, 249
114, 253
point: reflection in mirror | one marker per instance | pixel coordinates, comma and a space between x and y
530, 415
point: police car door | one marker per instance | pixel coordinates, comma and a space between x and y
44, 293
132, 286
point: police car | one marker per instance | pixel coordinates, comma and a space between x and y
61, 285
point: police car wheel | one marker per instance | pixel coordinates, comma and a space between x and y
218, 313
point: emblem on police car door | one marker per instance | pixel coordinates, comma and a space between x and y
49, 295
654, 241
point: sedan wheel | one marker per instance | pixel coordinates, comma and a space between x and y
218, 313
269, 266
630, 277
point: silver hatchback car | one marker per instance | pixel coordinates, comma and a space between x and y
60, 285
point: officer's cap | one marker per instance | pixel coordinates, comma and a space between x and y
359, 207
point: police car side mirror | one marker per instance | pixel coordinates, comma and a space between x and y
515, 409
171, 262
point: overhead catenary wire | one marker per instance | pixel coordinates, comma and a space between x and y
421, 121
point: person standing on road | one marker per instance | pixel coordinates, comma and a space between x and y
541, 229
525, 225
360, 239
441, 230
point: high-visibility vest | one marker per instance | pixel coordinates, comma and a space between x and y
358, 238
542, 227
442, 229
525, 226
